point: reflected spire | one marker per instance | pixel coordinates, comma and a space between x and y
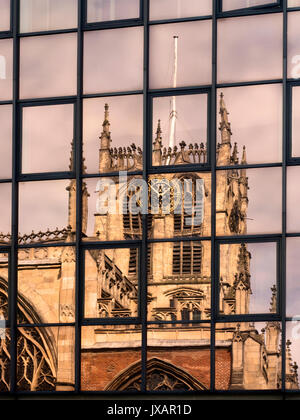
273, 308
72, 157
225, 126
105, 141
244, 158
158, 138
157, 152
106, 123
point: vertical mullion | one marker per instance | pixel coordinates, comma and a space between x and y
13, 277
213, 140
78, 167
144, 246
284, 192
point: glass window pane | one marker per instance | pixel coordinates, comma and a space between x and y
171, 348
248, 278
240, 4
46, 280
5, 211
125, 116
250, 48
47, 211
5, 15
6, 141
249, 201
46, 359
5, 342
108, 10
293, 199
111, 358
176, 9
255, 115
46, 138
6, 69
180, 130
118, 64
292, 355
296, 122
189, 45
293, 3
179, 205
111, 283
48, 66
252, 356
293, 45
293, 277
112, 208
47, 15
180, 281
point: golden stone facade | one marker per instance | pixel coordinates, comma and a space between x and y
179, 286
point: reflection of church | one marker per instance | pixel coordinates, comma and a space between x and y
179, 287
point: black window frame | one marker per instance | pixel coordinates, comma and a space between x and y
142, 321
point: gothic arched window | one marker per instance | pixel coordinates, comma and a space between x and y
161, 376
35, 361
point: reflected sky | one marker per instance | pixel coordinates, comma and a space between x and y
6, 69
265, 196
5, 141
105, 10
126, 119
293, 276
175, 9
5, 15
48, 66
263, 269
255, 113
46, 15
293, 45
293, 199
293, 3
296, 122
43, 205
250, 48
191, 122
240, 4
46, 138
113, 60
194, 54
5, 208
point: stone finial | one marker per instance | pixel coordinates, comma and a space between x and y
235, 153
106, 122
244, 158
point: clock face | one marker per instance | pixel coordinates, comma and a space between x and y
177, 195
161, 196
